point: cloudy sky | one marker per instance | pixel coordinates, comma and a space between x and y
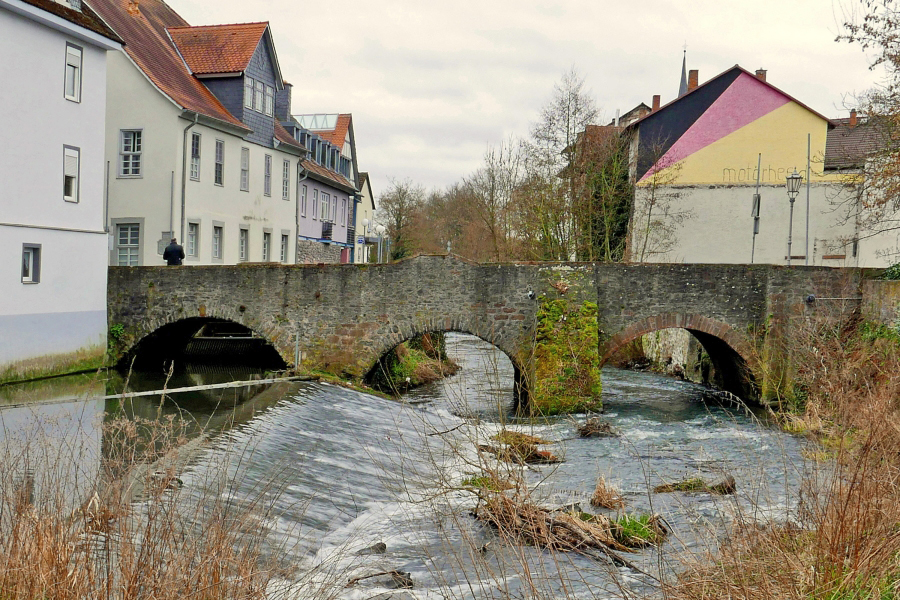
432, 84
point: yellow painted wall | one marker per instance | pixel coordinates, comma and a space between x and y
781, 138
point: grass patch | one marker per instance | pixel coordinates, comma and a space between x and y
639, 531
54, 365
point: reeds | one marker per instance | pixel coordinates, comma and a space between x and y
845, 539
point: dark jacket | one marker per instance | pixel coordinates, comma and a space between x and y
173, 254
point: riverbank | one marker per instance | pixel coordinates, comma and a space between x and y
842, 543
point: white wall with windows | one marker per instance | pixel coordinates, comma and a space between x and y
232, 185
53, 246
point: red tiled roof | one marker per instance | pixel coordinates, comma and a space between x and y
338, 135
282, 135
209, 49
85, 18
848, 147
317, 169
143, 26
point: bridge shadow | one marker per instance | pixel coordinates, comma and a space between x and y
726, 362
202, 341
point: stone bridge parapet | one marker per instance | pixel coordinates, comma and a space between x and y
343, 318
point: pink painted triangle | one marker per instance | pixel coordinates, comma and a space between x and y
744, 101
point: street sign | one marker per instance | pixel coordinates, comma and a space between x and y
360, 240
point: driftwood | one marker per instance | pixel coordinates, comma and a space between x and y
696, 484
400, 578
595, 427
521, 454
568, 532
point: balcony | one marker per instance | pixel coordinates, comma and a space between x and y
351, 235
327, 230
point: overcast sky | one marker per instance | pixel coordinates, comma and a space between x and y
432, 84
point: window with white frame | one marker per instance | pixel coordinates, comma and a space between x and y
71, 166
243, 244
248, 92
259, 96
270, 100
343, 211
303, 201
326, 208
128, 238
267, 179
217, 242
195, 156
31, 263
333, 209
73, 72
245, 169
286, 180
284, 248
267, 245
192, 238
130, 148
220, 162
315, 203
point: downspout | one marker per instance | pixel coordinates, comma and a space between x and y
184, 172
297, 211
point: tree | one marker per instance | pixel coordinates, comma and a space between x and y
490, 193
875, 202
397, 208
547, 218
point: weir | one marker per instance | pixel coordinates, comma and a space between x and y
343, 318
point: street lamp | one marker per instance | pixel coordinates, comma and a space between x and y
379, 229
793, 188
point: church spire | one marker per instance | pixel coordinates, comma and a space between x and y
683, 88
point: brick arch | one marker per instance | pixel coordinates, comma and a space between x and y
405, 333
730, 351
183, 326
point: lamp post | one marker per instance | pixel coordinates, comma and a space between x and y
365, 224
379, 229
793, 188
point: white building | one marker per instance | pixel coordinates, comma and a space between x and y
195, 143
365, 221
52, 237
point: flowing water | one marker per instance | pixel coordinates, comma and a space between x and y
341, 472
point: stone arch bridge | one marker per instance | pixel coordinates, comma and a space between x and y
343, 318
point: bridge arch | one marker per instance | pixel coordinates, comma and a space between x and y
383, 345
192, 337
730, 351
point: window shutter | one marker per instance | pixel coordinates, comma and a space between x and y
71, 163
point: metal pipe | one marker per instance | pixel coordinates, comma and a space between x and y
184, 171
297, 210
106, 202
790, 231
756, 208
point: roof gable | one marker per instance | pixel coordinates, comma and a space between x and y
143, 27
218, 49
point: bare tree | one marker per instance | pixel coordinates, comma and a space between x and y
547, 195
490, 192
397, 208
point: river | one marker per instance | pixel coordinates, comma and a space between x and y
341, 471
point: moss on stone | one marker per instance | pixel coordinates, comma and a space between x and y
566, 361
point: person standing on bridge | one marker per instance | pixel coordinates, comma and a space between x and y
174, 253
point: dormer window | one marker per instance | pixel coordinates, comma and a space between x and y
248, 92
270, 100
259, 96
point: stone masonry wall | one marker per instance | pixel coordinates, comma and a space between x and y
313, 253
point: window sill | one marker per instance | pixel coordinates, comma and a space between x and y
195, 179
73, 99
71, 200
129, 176
30, 282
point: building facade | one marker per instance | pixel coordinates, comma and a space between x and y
195, 145
698, 162
52, 235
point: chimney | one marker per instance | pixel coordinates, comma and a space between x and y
693, 76
656, 103
853, 120
283, 103
761, 74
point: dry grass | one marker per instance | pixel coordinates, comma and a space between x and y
845, 542
606, 496
123, 524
